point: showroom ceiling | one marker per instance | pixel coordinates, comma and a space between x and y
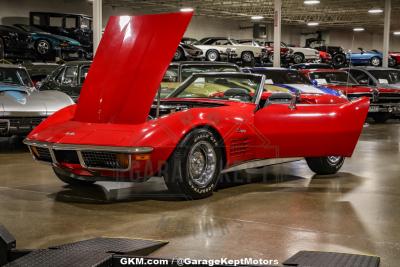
329, 13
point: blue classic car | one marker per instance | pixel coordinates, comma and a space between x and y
47, 44
371, 57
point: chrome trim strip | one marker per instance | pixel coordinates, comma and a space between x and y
259, 163
117, 149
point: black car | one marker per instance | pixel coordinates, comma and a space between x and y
338, 55
14, 43
67, 78
74, 26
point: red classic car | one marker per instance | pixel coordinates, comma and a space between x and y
116, 132
325, 57
385, 102
394, 59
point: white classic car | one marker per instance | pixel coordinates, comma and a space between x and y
213, 46
299, 54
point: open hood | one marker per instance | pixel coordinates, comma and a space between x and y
129, 64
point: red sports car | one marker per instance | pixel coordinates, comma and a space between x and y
325, 57
213, 123
394, 59
385, 102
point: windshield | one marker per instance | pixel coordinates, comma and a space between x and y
189, 70
283, 77
15, 76
386, 76
333, 77
229, 87
30, 28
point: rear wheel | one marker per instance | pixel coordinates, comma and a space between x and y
179, 55
325, 165
376, 61
194, 167
43, 47
339, 60
298, 58
69, 178
247, 57
380, 117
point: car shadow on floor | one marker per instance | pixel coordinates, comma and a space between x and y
12, 145
155, 189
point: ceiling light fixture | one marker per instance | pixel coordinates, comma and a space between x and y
375, 11
358, 29
396, 33
256, 17
186, 9
311, 2
312, 23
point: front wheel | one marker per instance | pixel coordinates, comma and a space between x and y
179, 54
392, 62
247, 57
194, 167
298, 58
325, 165
339, 60
69, 179
212, 55
43, 47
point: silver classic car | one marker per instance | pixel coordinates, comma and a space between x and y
22, 106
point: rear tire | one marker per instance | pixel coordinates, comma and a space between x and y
43, 47
298, 58
193, 169
392, 62
70, 180
339, 60
325, 165
376, 61
179, 54
380, 117
247, 57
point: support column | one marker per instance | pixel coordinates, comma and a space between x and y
97, 23
386, 33
277, 32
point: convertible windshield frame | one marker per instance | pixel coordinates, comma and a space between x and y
257, 94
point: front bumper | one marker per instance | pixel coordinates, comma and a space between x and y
18, 125
94, 162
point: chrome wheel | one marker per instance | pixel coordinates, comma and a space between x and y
247, 57
333, 160
178, 54
201, 163
298, 58
43, 47
375, 62
212, 56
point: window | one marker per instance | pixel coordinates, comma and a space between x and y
362, 78
70, 75
56, 21
70, 23
36, 20
83, 74
15, 76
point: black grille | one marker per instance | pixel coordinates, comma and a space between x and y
388, 98
25, 122
44, 154
66, 156
3, 126
95, 159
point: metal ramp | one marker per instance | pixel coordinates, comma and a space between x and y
108, 252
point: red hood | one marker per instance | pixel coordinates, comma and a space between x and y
351, 89
130, 62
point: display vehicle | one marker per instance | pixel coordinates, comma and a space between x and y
384, 102
22, 106
50, 45
212, 124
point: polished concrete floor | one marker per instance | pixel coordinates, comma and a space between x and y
285, 209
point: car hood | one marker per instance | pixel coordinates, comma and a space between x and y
36, 103
121, 88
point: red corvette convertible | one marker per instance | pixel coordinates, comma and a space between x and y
211, 124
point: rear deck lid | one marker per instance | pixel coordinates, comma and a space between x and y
129, 64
